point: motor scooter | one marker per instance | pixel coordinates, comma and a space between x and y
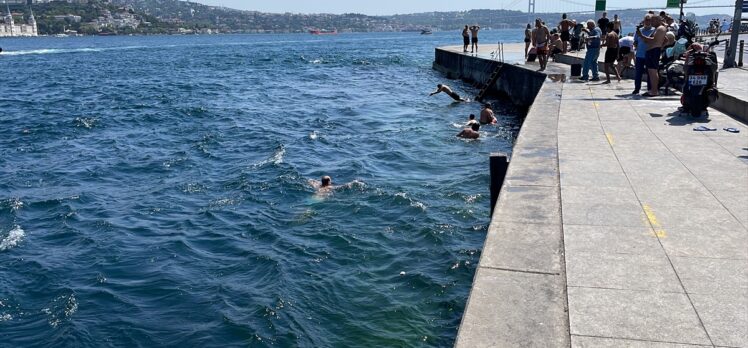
700, 80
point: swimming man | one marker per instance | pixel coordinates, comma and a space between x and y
448, 91
470, 133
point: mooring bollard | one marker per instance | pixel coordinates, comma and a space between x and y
498, 164
740, 56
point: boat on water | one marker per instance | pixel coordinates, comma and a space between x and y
426, 31
323, 32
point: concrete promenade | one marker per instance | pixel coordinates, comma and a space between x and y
617, 225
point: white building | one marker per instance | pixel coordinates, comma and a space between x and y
10, 28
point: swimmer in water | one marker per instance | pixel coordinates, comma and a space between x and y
325, 187
444, 88
486, 115
471, 132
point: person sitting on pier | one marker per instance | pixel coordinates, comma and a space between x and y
557, 46
470, 133
448, 91
486, 115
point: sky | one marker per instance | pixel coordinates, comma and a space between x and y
388, 7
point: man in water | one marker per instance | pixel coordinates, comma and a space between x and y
474, 32
652, 57
471, 120
486, 115
448, 91
565, 26
470, 133
540, 41
465, 39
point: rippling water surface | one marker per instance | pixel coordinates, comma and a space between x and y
154, 191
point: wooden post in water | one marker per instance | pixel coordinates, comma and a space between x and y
498, 165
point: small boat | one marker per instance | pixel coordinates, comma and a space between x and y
323, 32
426, 32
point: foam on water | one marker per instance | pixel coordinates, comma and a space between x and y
14, 237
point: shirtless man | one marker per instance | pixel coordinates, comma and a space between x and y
486, 115
444, 88
654, 50
474, 32
465, 39
540, 41
617, 24
470, 133
324, 186
565, 26
611, 53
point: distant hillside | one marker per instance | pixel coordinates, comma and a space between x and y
513, 19
191, 13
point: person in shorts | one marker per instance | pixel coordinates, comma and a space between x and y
565, 27
465, 39
611, 53
625, 53
528, 39
474, 33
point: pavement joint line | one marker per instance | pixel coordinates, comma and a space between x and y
655, 226
562, 256
640, 340
649, 291
520, 270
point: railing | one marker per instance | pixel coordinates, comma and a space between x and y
498, 54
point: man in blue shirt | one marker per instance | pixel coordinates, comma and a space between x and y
641, 54
594, 35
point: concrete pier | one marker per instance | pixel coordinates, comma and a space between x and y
617, 225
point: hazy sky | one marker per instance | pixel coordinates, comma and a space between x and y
386, 7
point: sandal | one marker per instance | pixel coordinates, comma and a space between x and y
704, 129
731, 130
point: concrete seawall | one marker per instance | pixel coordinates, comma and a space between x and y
618, 223
520, 85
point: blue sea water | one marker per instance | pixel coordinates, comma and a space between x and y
154, 191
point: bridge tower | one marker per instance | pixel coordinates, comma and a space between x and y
531, 6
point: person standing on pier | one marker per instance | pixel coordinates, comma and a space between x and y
652, 58
474, 32
617, 24
528, 39
611, 53
465, 39
602, 23
540, 41
565, 26
593, 40
641, 53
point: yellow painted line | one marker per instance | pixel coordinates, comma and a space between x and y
659, 232
610, 138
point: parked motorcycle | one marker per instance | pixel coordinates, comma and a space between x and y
700, 83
